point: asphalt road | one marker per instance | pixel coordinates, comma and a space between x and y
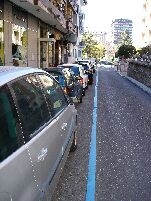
123, 166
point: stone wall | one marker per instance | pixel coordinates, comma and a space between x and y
140, 72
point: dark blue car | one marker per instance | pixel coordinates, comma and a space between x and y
70, 85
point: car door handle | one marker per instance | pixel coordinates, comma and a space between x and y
64, 126
42, 154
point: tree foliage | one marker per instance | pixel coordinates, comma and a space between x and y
92, 48
125, 38
145, 50
126, 51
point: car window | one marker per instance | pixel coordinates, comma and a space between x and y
10, 133
69, 77
54, 94
56, 74
75, 70
32, 104
59, 77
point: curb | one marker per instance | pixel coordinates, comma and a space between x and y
139, 84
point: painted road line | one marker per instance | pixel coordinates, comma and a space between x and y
90, 193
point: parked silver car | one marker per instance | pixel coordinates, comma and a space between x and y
37, 131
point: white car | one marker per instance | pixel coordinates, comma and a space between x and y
37, 130
106, 64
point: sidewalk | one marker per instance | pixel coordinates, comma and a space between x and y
139, 84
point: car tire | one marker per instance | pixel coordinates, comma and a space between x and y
74, 143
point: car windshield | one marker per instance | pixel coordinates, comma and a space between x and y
85, 66
75, 70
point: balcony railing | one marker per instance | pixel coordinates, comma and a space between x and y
58, 11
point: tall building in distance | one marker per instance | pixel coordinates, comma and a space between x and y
119, 26
100, 37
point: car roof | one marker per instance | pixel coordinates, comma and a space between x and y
62, 65
84, 60
53, 69
9, 73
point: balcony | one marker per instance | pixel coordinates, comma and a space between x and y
45, 11
72, 38
58, 13
82, 44
82, 16
74, 4
27, 4
71, 27
83, 2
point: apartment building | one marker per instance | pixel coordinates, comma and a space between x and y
38, 33
118, 27
146, 24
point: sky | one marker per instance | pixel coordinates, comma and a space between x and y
100, 13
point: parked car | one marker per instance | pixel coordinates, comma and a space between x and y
37, 130
78, 73
67, 81
89, 63
89, 72
106, 64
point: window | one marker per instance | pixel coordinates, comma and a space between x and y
19, 37
10, 133
32, 105
54, 94
19, 45
1, 43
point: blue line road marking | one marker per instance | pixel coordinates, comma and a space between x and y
90, 193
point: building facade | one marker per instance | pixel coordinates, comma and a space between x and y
146, 21
119, 26
38, 33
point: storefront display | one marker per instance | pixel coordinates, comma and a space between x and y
1, 35
19, 38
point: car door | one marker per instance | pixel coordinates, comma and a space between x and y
16, 172
60, 109
42, 134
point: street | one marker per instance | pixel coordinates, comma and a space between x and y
123, 151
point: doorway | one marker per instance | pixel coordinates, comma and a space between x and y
47, 52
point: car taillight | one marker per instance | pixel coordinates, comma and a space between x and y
66, 90
81, 81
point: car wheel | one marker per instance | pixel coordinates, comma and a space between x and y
74, 143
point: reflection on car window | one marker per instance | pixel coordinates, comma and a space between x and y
10, 139
32, 104
54, 93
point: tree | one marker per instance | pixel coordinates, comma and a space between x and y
145, 50
126, 51
92, 48
125, 38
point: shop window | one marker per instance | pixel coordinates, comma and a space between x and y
1, 43
19, 45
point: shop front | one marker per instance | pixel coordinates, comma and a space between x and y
1, 34
19, 37
47, 49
